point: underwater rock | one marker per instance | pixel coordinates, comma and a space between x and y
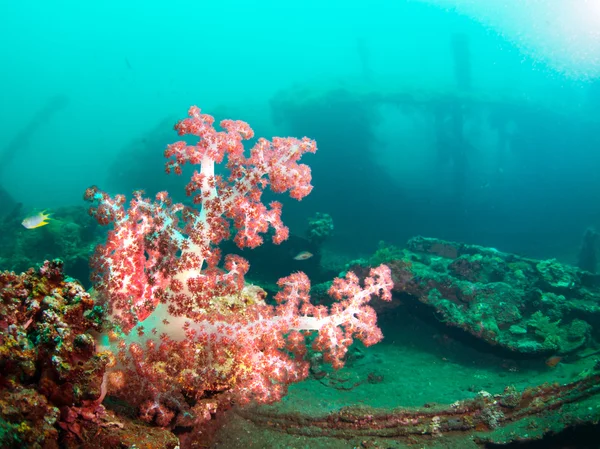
320, 228
522, 305
51, 376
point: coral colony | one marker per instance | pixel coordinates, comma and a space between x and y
191, 336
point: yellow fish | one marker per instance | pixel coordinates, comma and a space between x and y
37, 220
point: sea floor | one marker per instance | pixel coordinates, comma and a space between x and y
416, 365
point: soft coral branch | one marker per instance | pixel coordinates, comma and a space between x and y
200, 331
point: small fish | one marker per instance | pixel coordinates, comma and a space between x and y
37, 220
303, 255
553, 361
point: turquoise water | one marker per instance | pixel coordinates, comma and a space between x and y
470, 121
122, 67
83, 83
